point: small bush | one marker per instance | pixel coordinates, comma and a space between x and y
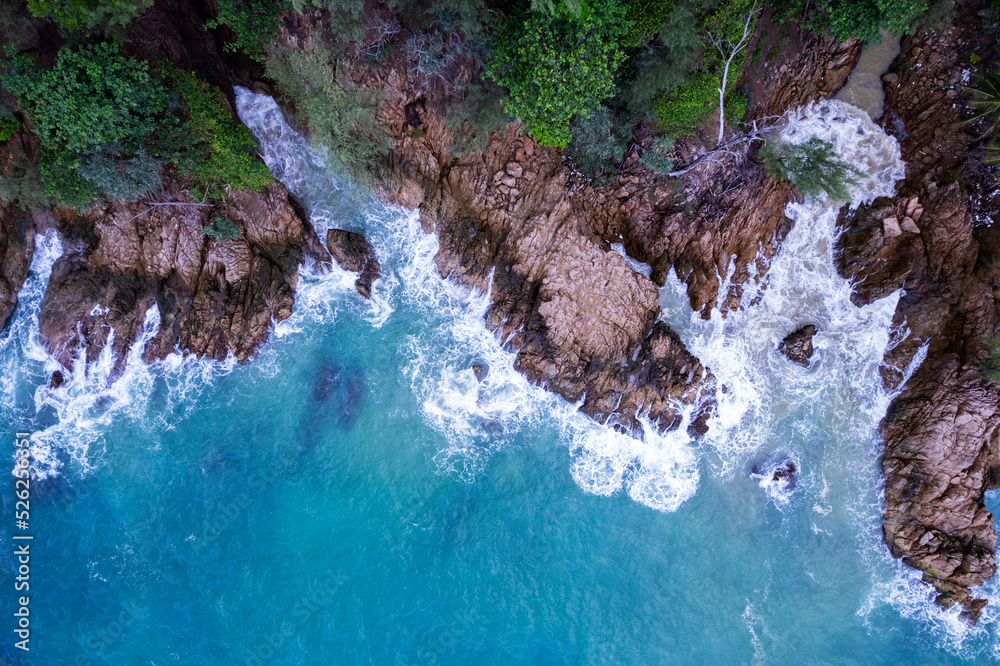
657, 158
9, 125
24, 188
210, 145
558, 65
120, 177
989, 367
473, 119
341, 117
222, 229
813, 167
599, 144
253, 22
862, 19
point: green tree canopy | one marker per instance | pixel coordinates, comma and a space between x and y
92, 96
559, 64
88, 14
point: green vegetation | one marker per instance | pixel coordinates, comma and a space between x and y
88, 15
657, 157
989, 367
92, 96
211, 146
222, 229
117, 175
863, 19
254, 23
558, 65
341, 117
813, 167
478, 115
599, 144
9, 124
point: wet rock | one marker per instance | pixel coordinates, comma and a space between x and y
797, 346
480, 370
940, 433
17, 245
123, 258
354, 254
57, 380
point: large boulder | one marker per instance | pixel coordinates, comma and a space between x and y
353, 252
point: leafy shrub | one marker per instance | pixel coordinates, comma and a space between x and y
473, 119
558, 65
253, 22
599, 144
210, 145
120, 177
645, 19
657, 158
813, 167
340, 116
88, 15
92, 96
989, 367
681, 111
863, 19
222, 229
9, 124
669, 62
986, 104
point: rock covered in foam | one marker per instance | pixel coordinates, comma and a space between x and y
353, 252
798, 346
213, 297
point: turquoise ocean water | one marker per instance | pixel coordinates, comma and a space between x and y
355, 495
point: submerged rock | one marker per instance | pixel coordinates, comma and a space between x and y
353, 252
798, 346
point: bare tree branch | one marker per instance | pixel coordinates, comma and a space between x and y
722, 45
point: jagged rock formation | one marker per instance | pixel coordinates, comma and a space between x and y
798, 345
940, 433
353, 252
583, 322
120, 259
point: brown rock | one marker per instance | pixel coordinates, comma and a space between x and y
354, 254
797, 346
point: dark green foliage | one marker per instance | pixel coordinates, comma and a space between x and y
346, 16
253, 22
475, 117
222, 229
657, 157
599, 144
340, 116
558, 65
92, 96
63, 185
645, 19
986, 104
668, 63
686, 99
88, 15
210, 145
813, 167
863, 19
24, 187
989, 367
118, 176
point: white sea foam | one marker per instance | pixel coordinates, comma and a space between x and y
476, 418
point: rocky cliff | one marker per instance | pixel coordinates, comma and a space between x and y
515, 218
940, 433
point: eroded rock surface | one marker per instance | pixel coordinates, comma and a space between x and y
940, 433
798, 345
353, 252
214, 298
